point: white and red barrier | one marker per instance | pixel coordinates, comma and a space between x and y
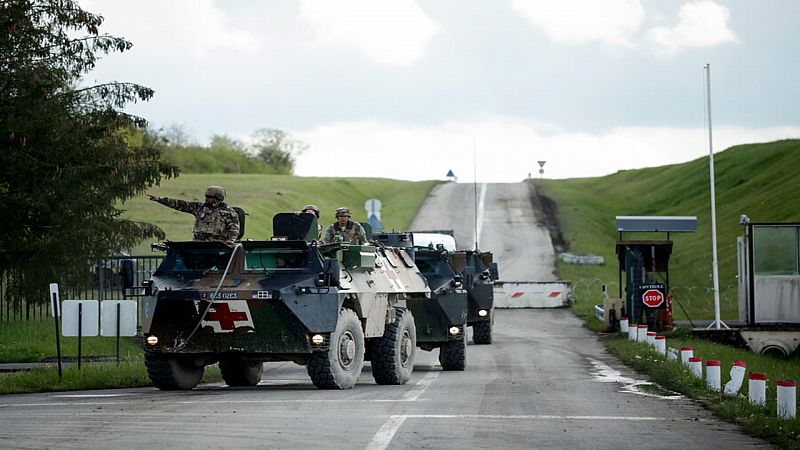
651, 338
787, 399
737, 378
686, 353
661, 344
757, 389
696, 366
713, 379
633, 330
641, 336
623, 324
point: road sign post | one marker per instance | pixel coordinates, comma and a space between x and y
55, 310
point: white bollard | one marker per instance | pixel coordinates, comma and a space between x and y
757, 389
642, 335
696, 366
686, 353
623, 324
737, 378
787, 399
633, 330
713, 375
651, 338
661, 344
672, 354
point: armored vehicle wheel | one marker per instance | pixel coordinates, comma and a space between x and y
340, 366
170, 373
453, 354
482, 332
237, 372
393, 354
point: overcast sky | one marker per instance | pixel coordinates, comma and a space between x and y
411, 89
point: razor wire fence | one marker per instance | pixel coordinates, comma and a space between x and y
112, 278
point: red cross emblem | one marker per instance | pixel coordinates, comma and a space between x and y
222, 313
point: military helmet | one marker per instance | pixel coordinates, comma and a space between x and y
313, 208
343, 212
216, 191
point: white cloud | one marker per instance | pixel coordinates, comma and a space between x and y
170, 29
701, 24
611, 22
393, 33
507, 149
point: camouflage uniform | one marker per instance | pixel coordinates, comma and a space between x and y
352, 233
210, 224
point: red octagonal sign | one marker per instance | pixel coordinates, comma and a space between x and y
653, 298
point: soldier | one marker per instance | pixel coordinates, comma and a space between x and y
214, 220
312, 209
349, 231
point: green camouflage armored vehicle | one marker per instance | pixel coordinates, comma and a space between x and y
479, 274
440, 320
329, 307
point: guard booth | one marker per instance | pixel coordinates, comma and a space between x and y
644, 263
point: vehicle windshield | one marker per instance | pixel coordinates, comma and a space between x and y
434, 267
275, 259
196, 261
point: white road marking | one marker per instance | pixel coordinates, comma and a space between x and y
542, 417
90, 395
479, 213
419, 388
384, 436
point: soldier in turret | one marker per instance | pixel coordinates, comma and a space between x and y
313, 209
214, 220
349, 231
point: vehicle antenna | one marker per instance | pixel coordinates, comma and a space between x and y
475, 187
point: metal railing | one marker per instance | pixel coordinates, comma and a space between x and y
112, 278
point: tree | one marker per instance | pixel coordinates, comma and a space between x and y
277, 149
66, 159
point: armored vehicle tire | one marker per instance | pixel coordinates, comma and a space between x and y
170, 373
340, 365
392, 355
453, 354
482, 332
237, 372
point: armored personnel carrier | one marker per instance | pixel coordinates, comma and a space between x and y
441, 320
480, 273
326, 306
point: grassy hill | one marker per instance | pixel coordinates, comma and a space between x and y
760, 180
262, 196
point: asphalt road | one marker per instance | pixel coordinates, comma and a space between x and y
505, 222
545, 382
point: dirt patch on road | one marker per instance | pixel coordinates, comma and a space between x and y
547, 216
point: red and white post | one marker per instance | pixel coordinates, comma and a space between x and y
686, 353
713, 380
787, 399
757, 389
696, 366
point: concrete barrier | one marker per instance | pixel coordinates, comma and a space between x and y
532, 294
696, 366
686, 353
661, 344
623, 324
737, 378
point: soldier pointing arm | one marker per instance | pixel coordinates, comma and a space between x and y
214, 220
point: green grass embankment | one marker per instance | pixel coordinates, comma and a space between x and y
759, 180
262, 196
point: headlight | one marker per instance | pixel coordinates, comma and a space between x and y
317, 339
483, 313
454, 330
152, 340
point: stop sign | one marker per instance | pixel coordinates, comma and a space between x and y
653, 298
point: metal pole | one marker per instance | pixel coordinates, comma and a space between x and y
56, 310
80, 332
714, 266
475, 188
118, 305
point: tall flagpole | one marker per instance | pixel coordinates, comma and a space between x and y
714, 266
